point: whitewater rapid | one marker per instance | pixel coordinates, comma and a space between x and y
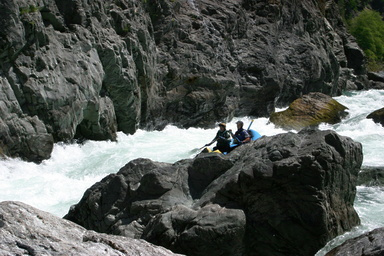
57, 183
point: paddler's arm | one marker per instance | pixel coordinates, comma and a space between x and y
233, 136
210, 143
214, 139
247, 137
246, 140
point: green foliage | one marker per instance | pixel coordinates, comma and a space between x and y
368, 29
375, 66
29, 9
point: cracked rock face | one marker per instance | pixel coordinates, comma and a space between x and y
85, 70
25, 230
287, 194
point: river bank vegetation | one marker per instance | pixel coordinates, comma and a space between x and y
365, 22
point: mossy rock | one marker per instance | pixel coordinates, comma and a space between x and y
309, 110
377, 116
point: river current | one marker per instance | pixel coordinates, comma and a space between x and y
57, 183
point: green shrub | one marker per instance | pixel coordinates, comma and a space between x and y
29, 9
368, 29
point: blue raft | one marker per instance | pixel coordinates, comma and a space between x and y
254, 136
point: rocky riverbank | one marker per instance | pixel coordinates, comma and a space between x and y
25, 230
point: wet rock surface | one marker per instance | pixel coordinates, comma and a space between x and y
368, 244
283, 195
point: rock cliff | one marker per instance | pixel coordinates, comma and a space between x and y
283, 195
82, 69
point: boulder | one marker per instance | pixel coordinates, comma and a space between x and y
210, 230
376, 76
25, 230
282, 195
376, 85
377, 116
376, 80
309, 110
368, 244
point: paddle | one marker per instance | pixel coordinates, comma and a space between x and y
197, 151
249, 127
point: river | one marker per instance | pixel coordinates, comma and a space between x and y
57, 183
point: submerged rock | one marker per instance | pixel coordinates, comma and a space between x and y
25, 230
371, 176
368, 244
309, 110
283, 195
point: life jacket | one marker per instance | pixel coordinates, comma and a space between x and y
223, 137
241, 135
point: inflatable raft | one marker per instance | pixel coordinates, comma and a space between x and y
254, 136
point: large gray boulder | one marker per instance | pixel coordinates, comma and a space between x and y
283, 195
25, 230
87, 69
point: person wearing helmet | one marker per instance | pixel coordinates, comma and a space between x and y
223, 139
241, 136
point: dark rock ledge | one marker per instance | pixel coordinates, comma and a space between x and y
25, 230
283, 195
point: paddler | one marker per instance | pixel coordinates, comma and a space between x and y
241, 136
223, 139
